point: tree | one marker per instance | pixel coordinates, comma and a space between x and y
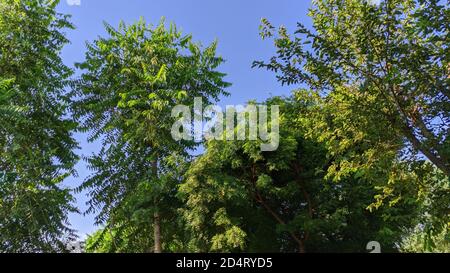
36, 145
240, 198
378, 79
394, 56
131, 81
358, 148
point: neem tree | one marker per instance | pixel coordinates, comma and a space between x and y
132, 80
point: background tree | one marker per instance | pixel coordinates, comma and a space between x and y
417, 242
132, 80
36, 145
241, 199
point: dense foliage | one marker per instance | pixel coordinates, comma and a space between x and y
379, 80
36, 146
364, 138
281, 201
389, 61
132, 80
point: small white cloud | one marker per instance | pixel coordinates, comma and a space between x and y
73, 2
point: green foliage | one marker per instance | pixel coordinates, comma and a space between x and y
364, 140
9, 114
117, 240
394, 57
131, 81
377, 80
36, 145
282, 201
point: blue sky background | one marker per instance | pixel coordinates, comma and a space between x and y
234, 23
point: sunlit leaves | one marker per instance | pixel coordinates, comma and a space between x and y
132, 79
377, 81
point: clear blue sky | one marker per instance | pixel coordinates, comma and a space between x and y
234, 23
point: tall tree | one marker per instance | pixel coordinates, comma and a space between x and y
379, 79
36, 145
132, 80
394, 55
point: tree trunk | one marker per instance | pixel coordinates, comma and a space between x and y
434, 156
156, 216
157, 233
301, 247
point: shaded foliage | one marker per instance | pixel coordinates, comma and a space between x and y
36, 144
241, 199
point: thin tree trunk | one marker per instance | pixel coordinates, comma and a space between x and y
437, 161
408, 131
156, 216
157, 233
257, 196
301, 247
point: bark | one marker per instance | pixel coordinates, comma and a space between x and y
436, 159
157, 233
156, 217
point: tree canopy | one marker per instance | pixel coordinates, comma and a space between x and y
132, 81
281, 201
379, 82
363, 152
36, 143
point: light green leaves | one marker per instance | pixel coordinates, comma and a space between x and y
150, 71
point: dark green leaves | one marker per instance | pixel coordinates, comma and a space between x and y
36, 144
